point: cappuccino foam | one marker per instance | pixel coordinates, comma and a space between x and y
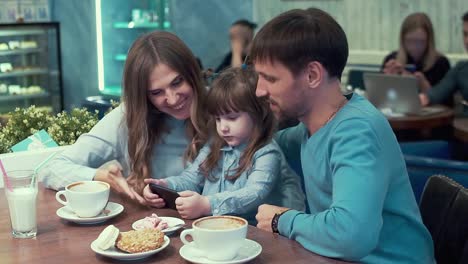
87, 187
220, 223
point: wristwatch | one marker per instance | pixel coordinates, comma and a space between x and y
275, 220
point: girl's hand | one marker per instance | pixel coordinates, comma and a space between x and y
191, 205
151, 198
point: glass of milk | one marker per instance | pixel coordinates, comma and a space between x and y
22, 197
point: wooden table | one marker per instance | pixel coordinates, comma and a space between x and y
417, 127
59, 241
460, 129
420, 122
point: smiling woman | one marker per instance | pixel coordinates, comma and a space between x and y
170, 94
158, 127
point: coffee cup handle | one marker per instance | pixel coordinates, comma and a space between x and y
194, 251
59, 199
187, 232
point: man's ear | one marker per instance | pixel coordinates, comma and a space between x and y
314, 74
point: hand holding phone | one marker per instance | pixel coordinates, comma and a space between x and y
168, 195
410, 68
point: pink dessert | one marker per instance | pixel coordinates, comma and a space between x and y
152, 221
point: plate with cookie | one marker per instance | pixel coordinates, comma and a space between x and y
131, 245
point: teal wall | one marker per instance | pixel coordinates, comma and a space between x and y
203, 25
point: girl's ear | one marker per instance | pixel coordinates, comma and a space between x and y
314, 74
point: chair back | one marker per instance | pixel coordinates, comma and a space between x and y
444, 211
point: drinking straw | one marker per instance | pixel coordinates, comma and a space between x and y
38, 167
5, 177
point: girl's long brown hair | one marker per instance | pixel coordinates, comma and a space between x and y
234, 91
145, 123
413, 22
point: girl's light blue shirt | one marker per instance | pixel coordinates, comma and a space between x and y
252, 188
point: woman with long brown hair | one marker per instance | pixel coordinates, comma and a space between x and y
417, 54
240, 167
157, 129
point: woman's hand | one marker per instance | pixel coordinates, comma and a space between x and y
191, 205
151, 198
111, 172
393, 67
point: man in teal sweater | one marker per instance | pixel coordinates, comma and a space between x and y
360, 203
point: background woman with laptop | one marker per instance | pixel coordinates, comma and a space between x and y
417, 54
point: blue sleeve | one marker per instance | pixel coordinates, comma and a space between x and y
261, 179
350, 227
445, 88
288, 190
191, 178
289, 141
79, 162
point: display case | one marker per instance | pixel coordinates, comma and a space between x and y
118, 24
30, 67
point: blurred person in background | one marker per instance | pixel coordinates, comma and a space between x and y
417, 54
240, 34
455, 80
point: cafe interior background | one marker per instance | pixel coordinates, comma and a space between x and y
95, 34
85, 57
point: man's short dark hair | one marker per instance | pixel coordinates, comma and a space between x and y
297, 37
465, 17
245, 23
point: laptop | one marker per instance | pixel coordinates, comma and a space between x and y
396, 94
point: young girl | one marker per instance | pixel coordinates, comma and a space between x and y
238, 169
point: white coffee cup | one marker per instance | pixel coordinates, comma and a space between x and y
85, 198
218, 238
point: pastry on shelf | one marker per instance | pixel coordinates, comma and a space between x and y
4, 46
6, 67
28, 44
14, 44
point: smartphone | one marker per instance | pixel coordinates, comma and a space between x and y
410, 68
167, 194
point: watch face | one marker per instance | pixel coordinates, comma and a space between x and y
274, 222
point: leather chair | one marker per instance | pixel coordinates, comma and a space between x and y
444, 211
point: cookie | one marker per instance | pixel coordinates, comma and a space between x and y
142, 240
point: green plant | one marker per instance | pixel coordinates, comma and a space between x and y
22, 123
64, 128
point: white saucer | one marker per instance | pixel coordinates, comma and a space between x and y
249, 250
171, 222
111, 210
117, 254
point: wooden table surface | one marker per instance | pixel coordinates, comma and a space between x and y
420, 122
59, 241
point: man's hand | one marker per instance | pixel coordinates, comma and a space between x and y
151, 198
191, 205
424, 99
265, 215
424, 84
